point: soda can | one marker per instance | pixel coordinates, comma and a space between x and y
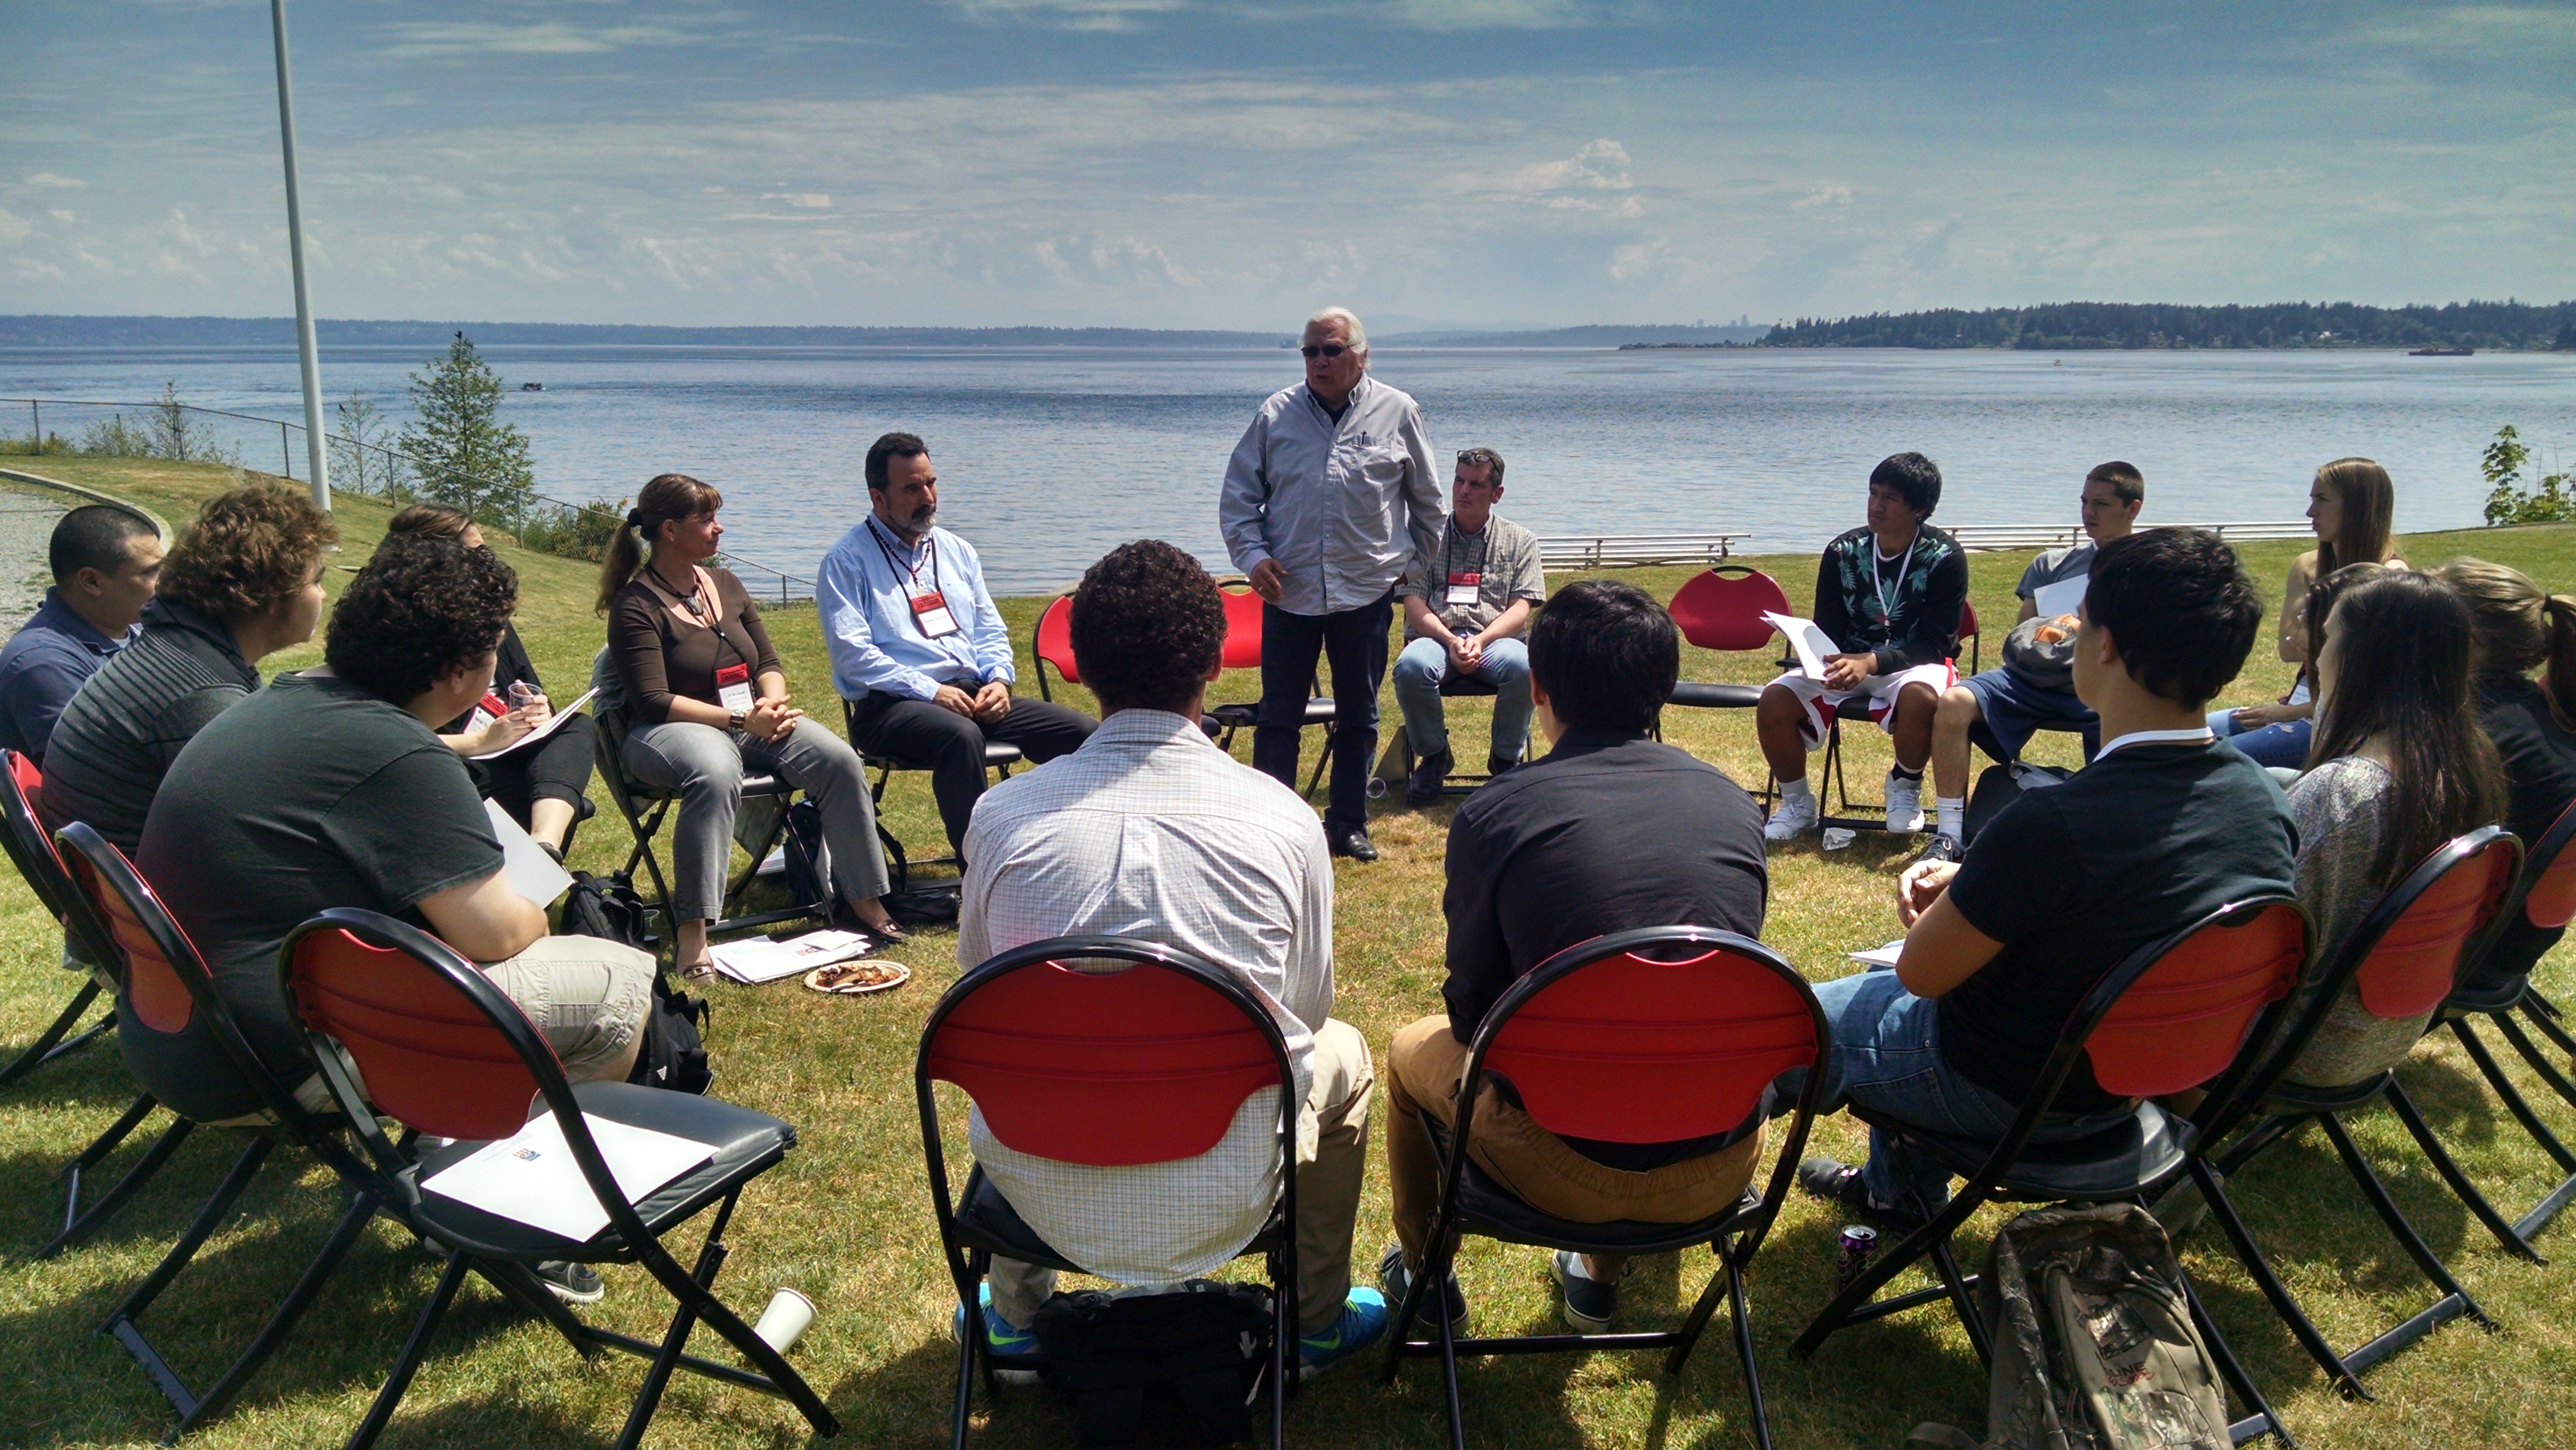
1852, 1250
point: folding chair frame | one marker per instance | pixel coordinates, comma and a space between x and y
2520, 999
1733, 1235
1858, 710
1704, 695
970, 1255
24, 837
645, 806
1994, 1179
2271, 1110
899, 863
108, 871
380, 1181
1453, 686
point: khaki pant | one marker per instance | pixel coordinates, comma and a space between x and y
1424, 1066
1328, 1192
587, 995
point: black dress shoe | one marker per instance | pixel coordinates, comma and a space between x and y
1355, 845
1495, 766
1423, 786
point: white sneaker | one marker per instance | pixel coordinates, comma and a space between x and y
1790, 819
1904, 804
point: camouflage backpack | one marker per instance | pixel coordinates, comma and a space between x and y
2094, 1344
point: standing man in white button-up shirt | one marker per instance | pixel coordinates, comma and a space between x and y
1328, 498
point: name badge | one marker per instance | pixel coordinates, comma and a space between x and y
486, 710
1463, 587
733, 687
930, 612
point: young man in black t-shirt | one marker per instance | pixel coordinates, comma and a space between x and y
2164, 826
1889, 595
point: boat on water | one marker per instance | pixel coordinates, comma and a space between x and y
532, 387
2443, 352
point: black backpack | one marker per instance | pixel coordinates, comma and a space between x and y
674, 1054
1206, 1343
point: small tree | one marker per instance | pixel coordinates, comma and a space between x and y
464, 455
360, 459
2548, 499
177, 436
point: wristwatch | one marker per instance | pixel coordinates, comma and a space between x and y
734, 720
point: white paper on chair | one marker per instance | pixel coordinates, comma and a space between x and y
553, 723
1811, 643
758, 959
530, 1177
2062, 597
1881, 956
531, 872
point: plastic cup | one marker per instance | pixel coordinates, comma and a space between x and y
784, 1321
1837, 837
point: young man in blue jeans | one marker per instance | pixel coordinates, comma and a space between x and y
2166, 825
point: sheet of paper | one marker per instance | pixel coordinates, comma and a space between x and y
2062, 597
758, 959
554, 722
533, 874
530, 1177
1881, 956
1811, 643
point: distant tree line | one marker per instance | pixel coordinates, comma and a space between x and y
2073, 326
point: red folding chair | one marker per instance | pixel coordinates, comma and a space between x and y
2406, 956
1073, 1057
167, 987
1649, 1036
445, 1054
1722, 609
44, 876
2497, 986
1243, 652
2196, 1009
1051, 645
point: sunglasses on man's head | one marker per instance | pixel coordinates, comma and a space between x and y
1327, 349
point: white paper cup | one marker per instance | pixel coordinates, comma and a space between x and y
785, 1319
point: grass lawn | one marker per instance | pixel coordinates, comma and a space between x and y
846, 1218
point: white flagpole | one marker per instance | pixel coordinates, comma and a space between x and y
314, 449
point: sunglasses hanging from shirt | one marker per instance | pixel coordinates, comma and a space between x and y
930, 612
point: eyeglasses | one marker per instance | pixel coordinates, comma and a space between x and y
1328, 349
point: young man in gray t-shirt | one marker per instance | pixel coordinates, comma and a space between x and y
2011, 706
1466, 605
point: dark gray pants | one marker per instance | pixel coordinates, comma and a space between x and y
706, 766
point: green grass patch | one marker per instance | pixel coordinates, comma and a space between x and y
846, 1218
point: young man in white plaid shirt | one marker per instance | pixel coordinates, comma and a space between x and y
1151, 831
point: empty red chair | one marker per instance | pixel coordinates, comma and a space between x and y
1722, 609
1243, 652
1051, 645
34, 855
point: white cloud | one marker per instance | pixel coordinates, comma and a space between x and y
51, 182
13, 227
1070, 14
809, 200
549, 37
65, 215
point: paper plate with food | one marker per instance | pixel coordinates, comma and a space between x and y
857, 979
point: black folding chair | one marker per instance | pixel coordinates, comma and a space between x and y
168, 986
33, 854
2198, 1008
1647, 1036
758, 828
998, 758
444, 1053
2496, 985
1454, 686
1073, 1057
2405, 956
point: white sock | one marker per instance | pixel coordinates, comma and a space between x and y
1795, 791
1952, 816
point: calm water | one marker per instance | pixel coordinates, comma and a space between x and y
1048, 458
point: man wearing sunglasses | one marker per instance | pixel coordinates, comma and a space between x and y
1329, 497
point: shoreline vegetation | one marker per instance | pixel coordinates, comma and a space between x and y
846, 1219
2508, 326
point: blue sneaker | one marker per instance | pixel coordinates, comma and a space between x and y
1009, 1346
1363, 1319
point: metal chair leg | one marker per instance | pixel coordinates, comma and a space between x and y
2531, 1053
2389, 1214
1702, 1310
219, 1395
78, 1225
1741, 1315
415, 1347
2261, 1420
2467, 1192
209, 1218
45, 1049
2287, 1307
2514, 1102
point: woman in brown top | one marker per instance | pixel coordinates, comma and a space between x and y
706, 704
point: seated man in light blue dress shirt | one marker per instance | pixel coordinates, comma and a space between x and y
918, 650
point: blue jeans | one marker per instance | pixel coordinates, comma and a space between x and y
1353, 642
1886, 1056
1418, 673
2284, 745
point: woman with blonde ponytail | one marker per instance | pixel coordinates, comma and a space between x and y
706, 704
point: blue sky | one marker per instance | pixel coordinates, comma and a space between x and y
1235, 163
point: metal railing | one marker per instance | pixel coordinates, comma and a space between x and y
1975, 537
1626, 551
766, 581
